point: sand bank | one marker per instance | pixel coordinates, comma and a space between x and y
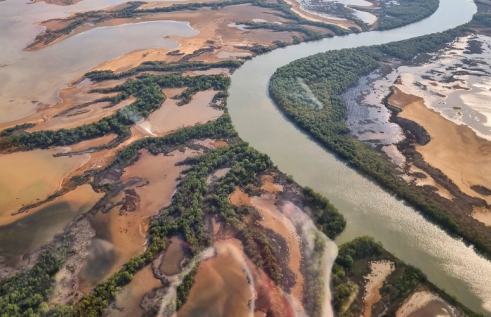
454, 149
274, 219
297, 8
425, 303
379, 271
482, 214
170, 116
211, 24
85, 145
269, 186
239, 198
221, 286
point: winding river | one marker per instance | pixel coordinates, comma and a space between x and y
370, 210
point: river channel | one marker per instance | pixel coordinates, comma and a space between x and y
448, 262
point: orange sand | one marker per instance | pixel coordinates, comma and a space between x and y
483, 215
219, 143
239, 198
269, 186
379, 272
170, 116
454, 149
275, 220
82, 146
28, 177
220, 286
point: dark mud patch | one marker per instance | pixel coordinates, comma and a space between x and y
481, 190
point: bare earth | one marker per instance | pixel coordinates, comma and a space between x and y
221, 286
454, 149
380, 270
425, 303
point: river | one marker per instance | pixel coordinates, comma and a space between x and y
369, 210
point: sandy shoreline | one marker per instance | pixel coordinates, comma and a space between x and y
297, 8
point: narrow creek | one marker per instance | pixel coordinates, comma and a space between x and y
448, 262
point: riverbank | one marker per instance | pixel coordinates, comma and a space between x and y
195, 13
330, 129
369, 281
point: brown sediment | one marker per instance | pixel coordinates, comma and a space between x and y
482, 214
210, 143
221, 285
171, 117
219, 143
454, 149
379, 271
40, 225
96, 160
239, 198
269, 186
274, 219
429, 181
168, 118
82, 146
122, 229
127, 303
174, 254
212, 71
145, 224
29, 177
